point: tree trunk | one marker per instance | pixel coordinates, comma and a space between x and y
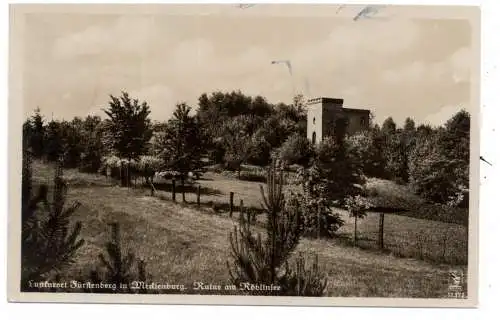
183, 189
355, 230
381, 231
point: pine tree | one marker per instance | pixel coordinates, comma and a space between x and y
118, 268
37, 134
128, 130
53, 141
181, 142
265, 261
49, 244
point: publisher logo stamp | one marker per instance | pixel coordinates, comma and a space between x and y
456, 284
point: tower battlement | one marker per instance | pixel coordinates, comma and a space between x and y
324, 115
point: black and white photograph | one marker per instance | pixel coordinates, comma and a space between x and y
274, 154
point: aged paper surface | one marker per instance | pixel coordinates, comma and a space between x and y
366, 112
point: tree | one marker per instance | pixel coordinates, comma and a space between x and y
455, 139
265, 261
72, 141
409, 125
118, 268
49, 243
432, 174
357, 206
53, 141
128, 129
439, 163
297, 149
181, 142
237, 143
365, 148
396, 155
388, 127
37, 131
315, 204
128, 126
342, 174
93, 148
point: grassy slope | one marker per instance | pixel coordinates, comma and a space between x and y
404, 235
182, 245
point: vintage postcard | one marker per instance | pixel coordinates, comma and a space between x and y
244, 154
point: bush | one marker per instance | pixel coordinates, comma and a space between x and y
253, 176
435, 176
366, 149
314, 203
295, 150
338, 171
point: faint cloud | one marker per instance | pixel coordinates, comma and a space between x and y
461, 62
160, 99
129, 34
444, 114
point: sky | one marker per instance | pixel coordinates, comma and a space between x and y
393, 65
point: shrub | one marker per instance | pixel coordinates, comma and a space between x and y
366, 149
435, 176
337, 170
318, 219
357, 207
296, 150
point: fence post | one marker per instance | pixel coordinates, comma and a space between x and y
381, 231
241, 208
183, 190
198, 192
242, 214
173, 190
231, 197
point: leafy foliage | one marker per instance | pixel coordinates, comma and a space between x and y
357, 207
93, 148
128, 128
237, 143
297, 149
342, 175
264, 127
35, 130
366, 149
318, 219
439, 164
181, 143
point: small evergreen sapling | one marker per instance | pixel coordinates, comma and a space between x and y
265, 261
49, 243
118, 268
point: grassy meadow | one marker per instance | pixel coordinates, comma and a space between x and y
182, 243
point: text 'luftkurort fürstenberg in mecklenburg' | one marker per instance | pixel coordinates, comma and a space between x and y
153, 286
